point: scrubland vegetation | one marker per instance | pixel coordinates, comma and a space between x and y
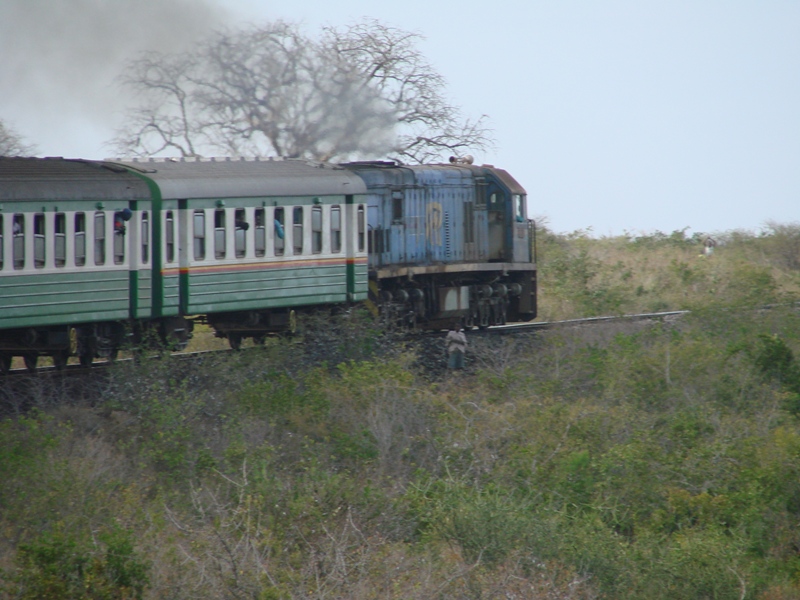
617, 461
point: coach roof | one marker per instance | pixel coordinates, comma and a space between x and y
42, 179
240, 178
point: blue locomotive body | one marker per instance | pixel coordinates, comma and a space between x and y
449, 242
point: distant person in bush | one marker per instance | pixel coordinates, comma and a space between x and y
708, 246
456, 346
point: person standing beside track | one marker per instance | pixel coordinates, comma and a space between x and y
456, 342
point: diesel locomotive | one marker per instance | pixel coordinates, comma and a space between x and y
99, 255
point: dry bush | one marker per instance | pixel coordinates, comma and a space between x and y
582, 276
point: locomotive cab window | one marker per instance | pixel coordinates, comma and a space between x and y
60, 240
496, 207
260, 233
519, 208
336, 229
99, 238
240, 232
220, 249
316, 229
279, 231
297, 231
80, 239
38, 241
18, 228
199, 235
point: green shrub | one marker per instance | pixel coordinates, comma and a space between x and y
57, 567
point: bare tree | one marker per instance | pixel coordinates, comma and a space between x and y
362, 91
387, 58
12, 144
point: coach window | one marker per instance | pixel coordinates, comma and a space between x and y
19, 241
261, 232
361, 228
316, 229
199, 234
297, 230
99, 238
80, 239
145, 237
280, 228
240, 226
60, 240
219, 233
38, 241
336, 229
119, 238
169, 235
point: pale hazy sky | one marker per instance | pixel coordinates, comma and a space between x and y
615, 115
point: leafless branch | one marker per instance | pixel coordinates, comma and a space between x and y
12, 144
363, 91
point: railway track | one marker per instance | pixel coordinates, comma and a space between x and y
74, 370
524, 327
20, 389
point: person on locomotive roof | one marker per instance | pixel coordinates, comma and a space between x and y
456, 342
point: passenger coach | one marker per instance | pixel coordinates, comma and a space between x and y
74, 262
248, 243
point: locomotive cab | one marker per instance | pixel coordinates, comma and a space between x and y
507, 223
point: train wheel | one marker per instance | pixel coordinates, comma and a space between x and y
235, 340
86, 359
30, 362
60, 360
5, 363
